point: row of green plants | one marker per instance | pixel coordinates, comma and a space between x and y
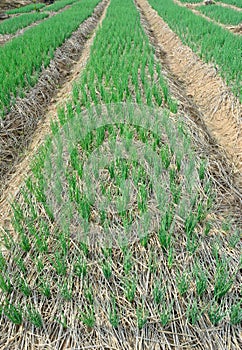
222, 14
58, 5
22, 59
26, 9
175, 270
211, 42
236, 3
229, 2
125, 69
12, 25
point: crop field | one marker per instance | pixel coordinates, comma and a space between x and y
120, 176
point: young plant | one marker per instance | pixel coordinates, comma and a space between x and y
34, 317
193, 313
25, 242
44, 288
130, 286
2, 262
142, 316
20, 264
88, 316
235, 238
190, 224
15, 314
8, 241
41, 242
5, 284
165, 156
127, 263
192, 243
223, 282
215, 313
113, 313
59, 263
236, 313
164, 233
170, 257
152, 264
107, 268
39, 265
157, 292
24, 287
176, 192
208, 227
166, 312
84, 248
183, 282
89, 294
66, 290
62, 321
80, 267
201, 279
202, 169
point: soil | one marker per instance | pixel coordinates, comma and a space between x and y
220, 109
236, 29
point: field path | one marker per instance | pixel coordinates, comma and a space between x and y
43, 129
220, 109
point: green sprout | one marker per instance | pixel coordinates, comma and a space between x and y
15, 314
